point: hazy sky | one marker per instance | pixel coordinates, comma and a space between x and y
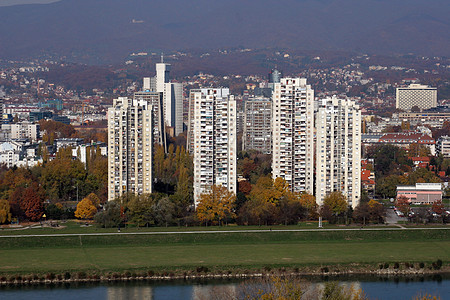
15, 2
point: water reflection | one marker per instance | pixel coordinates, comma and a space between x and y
374, 287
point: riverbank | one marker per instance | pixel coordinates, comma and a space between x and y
204, 273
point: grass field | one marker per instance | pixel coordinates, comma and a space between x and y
219, 250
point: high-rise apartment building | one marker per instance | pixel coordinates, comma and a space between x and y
293, 133
172, 96
257, 133
214, 140
130, 147
422, 96
155, 99
338, 149
217, 93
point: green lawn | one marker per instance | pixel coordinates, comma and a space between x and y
222, 251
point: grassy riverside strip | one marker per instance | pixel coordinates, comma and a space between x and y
224, 251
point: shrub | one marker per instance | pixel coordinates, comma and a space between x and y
67, 275
421, 265
324, 270
81, 275
150, 273
439, 263
50, 276
381, 266
396, 265
127, 274
202, 269
386, 265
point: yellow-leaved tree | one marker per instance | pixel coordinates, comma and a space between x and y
85, 210
308, 201
5, 212
216, 205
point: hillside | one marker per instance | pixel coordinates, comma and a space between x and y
108, 30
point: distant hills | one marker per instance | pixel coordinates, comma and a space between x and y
104, 31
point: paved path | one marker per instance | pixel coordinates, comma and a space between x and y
217, 232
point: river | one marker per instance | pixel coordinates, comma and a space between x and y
374, 288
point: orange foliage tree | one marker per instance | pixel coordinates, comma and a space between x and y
216, 205
85, 210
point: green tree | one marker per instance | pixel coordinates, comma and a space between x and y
110, 216
139, 208
163, 212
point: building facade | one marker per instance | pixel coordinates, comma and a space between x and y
421, 193
172, 97
215, 93
338, 149
443, 146
293, 133
257, 133
422, 96
130, 147
214, 140
155, 99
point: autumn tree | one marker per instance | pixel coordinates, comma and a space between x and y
85, 210
32, 203
308, 201
376, 211
362, 213
216, 205
95, 200
337, 202
5, 212
438, 207
403, 205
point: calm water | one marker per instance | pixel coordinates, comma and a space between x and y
375, 288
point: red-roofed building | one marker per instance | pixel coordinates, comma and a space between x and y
367, 176
404, 139
420, 162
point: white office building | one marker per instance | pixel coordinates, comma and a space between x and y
129, 147
338, 149
293, 133
214, 140
172, 96
422, 96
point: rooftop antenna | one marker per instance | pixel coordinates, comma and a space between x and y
162, 57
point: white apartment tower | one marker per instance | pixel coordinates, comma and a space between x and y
338, 149
422, 96
257, 125
129, 147
214, 140
293, 133
172, 95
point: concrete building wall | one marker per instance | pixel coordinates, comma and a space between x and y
338, 149
214, 140
293, 133
130, 147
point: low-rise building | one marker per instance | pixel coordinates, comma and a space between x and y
421, 193
443, 146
